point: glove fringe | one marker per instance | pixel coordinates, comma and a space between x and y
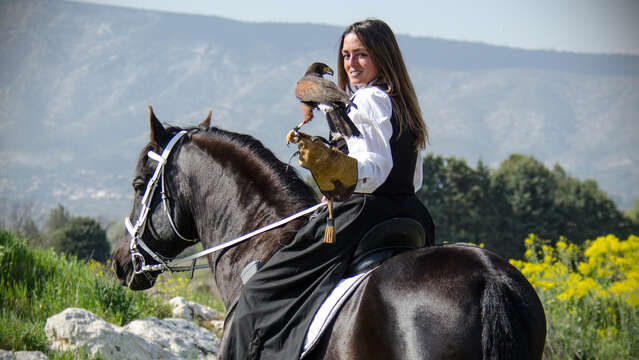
329, 231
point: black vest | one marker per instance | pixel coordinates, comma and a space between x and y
400, 179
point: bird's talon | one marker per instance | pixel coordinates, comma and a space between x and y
293, 136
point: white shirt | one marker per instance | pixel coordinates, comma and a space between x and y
373, 151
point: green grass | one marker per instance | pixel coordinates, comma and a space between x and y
36, 284
200, 289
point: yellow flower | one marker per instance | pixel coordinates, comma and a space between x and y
529, 240
628, 290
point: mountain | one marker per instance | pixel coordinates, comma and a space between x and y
76, 79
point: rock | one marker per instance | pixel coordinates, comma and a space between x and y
22, 355
75, 329
217, 326
30, 355
193, 311
181, 337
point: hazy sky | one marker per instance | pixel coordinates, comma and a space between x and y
598, 26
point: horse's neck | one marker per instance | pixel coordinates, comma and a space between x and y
226, 207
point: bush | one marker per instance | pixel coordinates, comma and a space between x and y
82, 237
590, 294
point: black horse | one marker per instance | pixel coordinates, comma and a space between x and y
439, 302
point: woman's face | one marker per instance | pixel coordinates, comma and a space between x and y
357, 62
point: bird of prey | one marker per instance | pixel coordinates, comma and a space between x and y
313, 90
316, 92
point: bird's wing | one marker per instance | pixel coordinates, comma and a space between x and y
308, 90
319, 90
340, 123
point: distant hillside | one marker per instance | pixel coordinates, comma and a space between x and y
76, 80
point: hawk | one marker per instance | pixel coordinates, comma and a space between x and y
315, 92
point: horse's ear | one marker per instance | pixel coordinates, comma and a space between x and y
206, 124
157, 132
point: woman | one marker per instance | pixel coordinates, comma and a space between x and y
276, 305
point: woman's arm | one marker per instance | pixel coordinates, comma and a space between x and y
372, 150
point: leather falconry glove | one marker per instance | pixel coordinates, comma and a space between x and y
334, 172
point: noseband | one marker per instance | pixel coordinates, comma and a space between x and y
136, 243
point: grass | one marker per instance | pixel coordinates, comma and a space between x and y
38, 283
200, 289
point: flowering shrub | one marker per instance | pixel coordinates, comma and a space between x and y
590, 294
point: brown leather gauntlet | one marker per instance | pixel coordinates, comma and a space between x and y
334, 172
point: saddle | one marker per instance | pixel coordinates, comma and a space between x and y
384, 240
381, 242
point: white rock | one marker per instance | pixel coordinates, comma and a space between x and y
217, 326
74, 328
190, 310
181, 337
22, 355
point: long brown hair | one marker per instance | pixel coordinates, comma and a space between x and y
393, 78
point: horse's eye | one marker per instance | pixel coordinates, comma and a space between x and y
138, 185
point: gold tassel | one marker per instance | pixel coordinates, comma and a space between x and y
329, 232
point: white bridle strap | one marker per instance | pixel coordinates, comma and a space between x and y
137, 230
151, 185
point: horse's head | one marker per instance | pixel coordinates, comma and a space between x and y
160, 225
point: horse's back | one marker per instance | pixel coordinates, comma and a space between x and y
441, 302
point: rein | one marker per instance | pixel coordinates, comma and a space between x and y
136, 243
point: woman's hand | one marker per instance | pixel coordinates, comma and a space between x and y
334, 172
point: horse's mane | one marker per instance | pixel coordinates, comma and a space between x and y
250, 159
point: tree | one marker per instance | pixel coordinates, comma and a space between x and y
22, 217
500, 208
456, 196
82, 237
58, 217
633, 214
29, 231
528, 189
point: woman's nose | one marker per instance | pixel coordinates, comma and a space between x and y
349, 61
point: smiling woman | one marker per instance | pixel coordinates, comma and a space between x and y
358, 64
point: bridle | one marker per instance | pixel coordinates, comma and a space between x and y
165, 263
136, 243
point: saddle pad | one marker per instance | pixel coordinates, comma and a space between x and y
330, 308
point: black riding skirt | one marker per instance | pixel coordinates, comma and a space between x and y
277, 304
